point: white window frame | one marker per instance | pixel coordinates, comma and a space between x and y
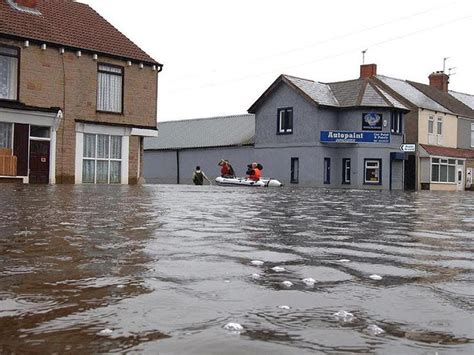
108, 71
346, 168
12, 129
84, 128
396, 123
431, 122
443, 161
377, 166
108, 159
439, 130
14, 80
472, 135
282, 122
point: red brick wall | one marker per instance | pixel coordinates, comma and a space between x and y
49, 79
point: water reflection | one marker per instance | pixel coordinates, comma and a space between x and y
164, 268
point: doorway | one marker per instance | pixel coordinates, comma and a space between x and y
39, 162
460, 178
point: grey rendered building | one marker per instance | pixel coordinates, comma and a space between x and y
338, 135
182, 145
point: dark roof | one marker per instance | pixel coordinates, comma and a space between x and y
224, 131
342, 94
445, 99
71, 24
15, 105
448, 152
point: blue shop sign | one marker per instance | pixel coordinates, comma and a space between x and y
354, 137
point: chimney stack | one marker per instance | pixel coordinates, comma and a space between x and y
27, 3
439, 80
368, 70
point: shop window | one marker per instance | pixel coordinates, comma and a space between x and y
295, 167
443, 170
109, 88
346, 171
327, 170
285, 120
373, 171
396, 123
9, 73
102, 159
6, 132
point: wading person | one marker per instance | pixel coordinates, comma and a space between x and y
199, 176
227, 171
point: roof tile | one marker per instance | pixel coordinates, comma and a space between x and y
71, 24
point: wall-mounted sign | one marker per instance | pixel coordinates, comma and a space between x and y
354, 137
372, 121
408, 147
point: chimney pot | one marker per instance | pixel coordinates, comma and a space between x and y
27, 3
439, 80
368, 70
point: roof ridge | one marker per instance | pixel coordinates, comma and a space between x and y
208, 118
297, 77
459, 92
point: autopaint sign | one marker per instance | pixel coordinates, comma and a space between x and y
354, 137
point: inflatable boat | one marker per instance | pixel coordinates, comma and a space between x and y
240, 181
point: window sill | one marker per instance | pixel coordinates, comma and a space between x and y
373, 183
284, 133
110, 112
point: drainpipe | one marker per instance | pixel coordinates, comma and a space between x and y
177, 166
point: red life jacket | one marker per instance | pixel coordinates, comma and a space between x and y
257, 174
225, 170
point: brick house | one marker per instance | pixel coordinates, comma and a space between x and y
76, 96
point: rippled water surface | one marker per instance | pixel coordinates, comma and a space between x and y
94, 269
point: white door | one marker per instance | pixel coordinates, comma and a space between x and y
460, 178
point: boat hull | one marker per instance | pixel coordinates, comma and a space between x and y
263, 182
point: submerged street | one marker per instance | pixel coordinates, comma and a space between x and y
166, 268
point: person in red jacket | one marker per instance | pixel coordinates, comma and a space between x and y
255, 173
226, 169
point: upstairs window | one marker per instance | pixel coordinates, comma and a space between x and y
396, 123
285, 120
9, 73
109, 88
439, 126
431, 125
472, 134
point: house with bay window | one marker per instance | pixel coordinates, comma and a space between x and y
441, 125
77, 97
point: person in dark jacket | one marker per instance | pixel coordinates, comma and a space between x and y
199, 176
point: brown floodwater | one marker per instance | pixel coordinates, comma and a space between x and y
163, 269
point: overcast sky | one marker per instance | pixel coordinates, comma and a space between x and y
219, 56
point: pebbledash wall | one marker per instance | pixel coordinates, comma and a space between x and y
48, 78
276, 151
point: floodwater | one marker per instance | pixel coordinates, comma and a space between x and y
164, 269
